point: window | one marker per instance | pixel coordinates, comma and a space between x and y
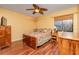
58, 25
64, 24
67, 26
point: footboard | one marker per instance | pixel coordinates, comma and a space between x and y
30, 41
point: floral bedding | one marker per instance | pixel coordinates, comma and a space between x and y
42, 37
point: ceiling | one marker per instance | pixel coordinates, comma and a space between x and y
21, 8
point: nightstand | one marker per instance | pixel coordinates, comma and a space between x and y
54, 37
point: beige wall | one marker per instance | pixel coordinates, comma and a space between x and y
22, 23
19, 23
78, 18
47, 21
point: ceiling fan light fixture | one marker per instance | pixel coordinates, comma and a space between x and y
37, 10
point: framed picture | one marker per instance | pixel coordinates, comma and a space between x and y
3, 21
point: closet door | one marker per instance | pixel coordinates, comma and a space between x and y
64, 46
77, 48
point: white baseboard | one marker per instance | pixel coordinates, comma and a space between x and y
13, 40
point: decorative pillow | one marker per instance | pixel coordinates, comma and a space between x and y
45, 30
35, 30
42, 30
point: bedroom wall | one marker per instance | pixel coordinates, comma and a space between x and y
47, 21
78, 18
19, 23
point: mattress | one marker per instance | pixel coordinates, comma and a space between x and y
41, 37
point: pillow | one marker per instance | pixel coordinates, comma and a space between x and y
44, 30
35, 30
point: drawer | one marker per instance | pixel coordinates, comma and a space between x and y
2, 42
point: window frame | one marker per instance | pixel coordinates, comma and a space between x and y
62, 18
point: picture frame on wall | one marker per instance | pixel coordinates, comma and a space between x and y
3, 21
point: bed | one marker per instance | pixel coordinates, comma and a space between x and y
37, 38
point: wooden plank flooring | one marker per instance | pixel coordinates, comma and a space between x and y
17, 48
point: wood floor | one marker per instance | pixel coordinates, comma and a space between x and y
17, 48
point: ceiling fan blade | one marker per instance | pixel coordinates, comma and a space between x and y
44, 9
34, 12
41, 12
29, 9
35, 6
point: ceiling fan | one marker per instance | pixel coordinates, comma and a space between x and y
37, 9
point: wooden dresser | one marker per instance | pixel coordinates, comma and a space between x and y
68, 44
5, 36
